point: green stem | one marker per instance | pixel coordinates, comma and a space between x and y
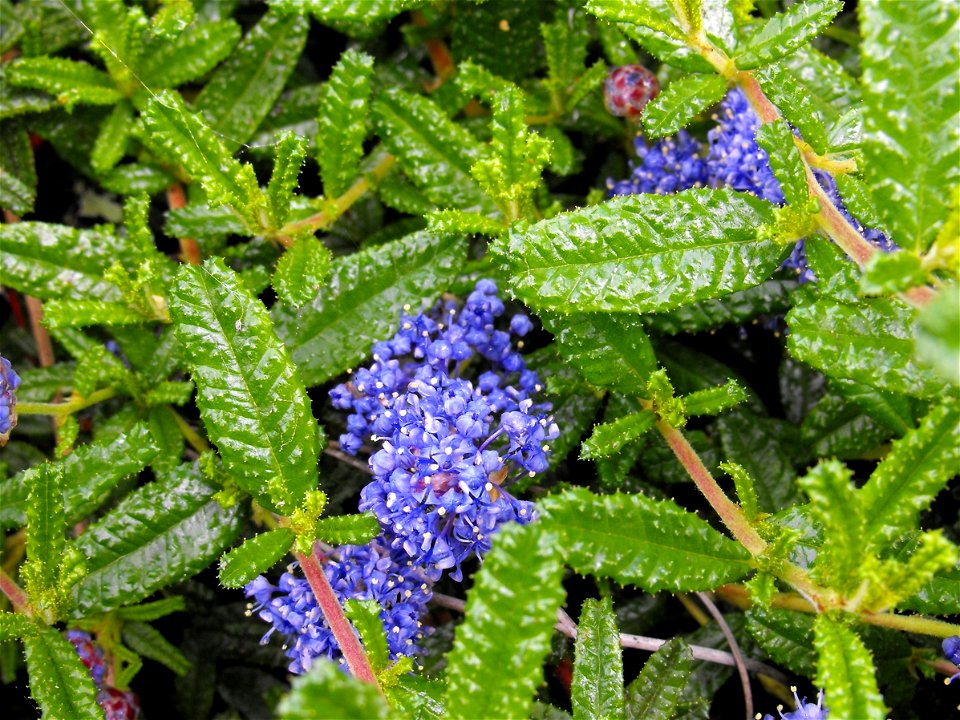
73, 405
912, 623
190, 435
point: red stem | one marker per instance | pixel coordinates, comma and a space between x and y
18, 598
353, 651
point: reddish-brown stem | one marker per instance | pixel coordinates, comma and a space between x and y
728, 511
189, 249
350, 646
440, 57
18, 598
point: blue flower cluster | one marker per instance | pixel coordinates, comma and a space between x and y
116, 704
804, 711
951, 649
733, 159
358, 572
9, 382
449, 445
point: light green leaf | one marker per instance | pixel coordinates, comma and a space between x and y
328, 692
58, 680
356, 529
785, 89
288, 159
301, 270
252, 401
681, 102
169, 62
153, 610
198, 220
162, 533
111, 143
342, 121
845, 668
918, 467
18, 178
82, 313
777, 139
565, 44
911, 60
14, 626
147, 641
597, 687
610, 351
497, 659
255, 556
656, 692
245, 87
433, 151
713, 401
938, 334
353, 11
655, 545
940, 596
654, 14
364, 615
46, 538
71, 81
610, 438
363, 299
642, 253
787, 31
870, 342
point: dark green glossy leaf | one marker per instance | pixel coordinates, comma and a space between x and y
918, 467
147, 641
940, 596
500, 35
153, 610
497, 660
161, 533
245, 87
610, 438
786, 32
327, 692
363, 299
356, 529
911, 60
56, 261
752, 441
70, 81
169, 62
654, 545
198, 220
846, 669
641, 253
354, 11
255, 556
250, 396
785, 637
135, 179
58, 680
18, 178
94, 469
777, 139
610, 351
301, 270
785, 89
681, 102
597, 687
435, 152
772, 296
838, 428
656, 692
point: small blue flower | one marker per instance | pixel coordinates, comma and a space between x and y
358, 572
90, 654
804, 711
951, 648
9, 382
666, 166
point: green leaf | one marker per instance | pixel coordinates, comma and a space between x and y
500, 35
654, 14
641, 253
147, 641
153, 610
288, 159
252, 401
777, 139
785, 637
18, 178
56, 261
93, 469
356, 529
14, 626
363, 299
565, 43
610, 438
365, 617
184, 136
58, 680
328, 692
198, 220
785, 90
162, 533
20, 101
610, 351
681, 102
845, 667
787, 31
111, 143
71, 81
433, 151
417, 697
496, 663
888, 273
597, 687
869, 342
938, 334
918, 467
353, 11
838, 428
169, 62
753, 442
46, 539
713, 401
82, 313
244, 88
301, 270
655, 545
939, 596
911, 60
342, 121
893, 411
255, 556
656, 692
